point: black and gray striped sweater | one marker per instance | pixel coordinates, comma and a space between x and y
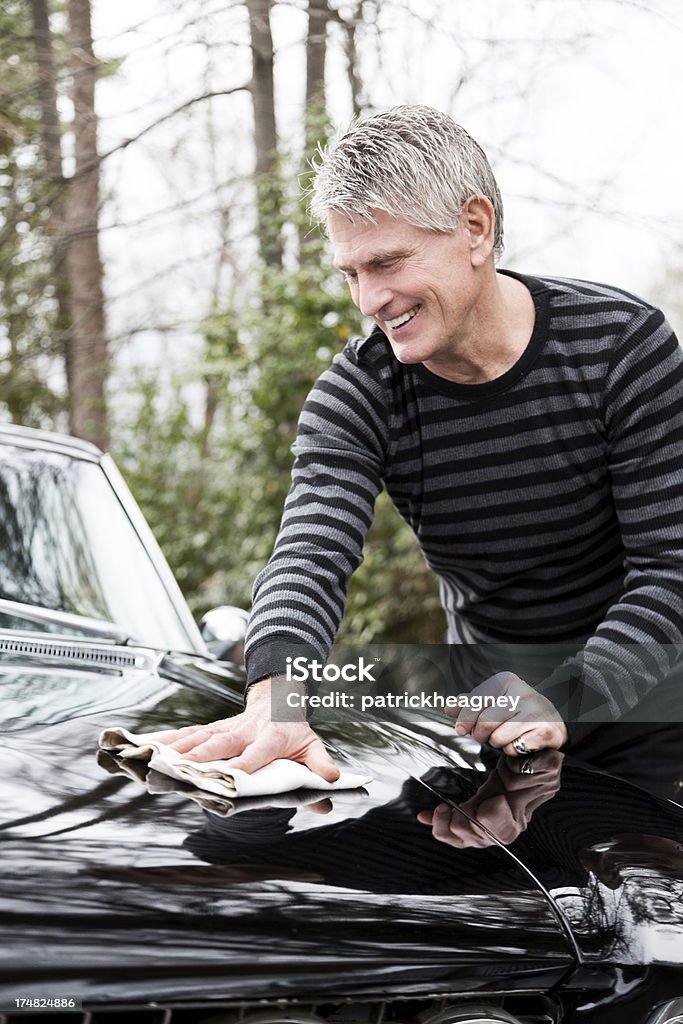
548, 501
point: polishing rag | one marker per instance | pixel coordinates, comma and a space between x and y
281, 776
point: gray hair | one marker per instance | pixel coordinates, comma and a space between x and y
412, 162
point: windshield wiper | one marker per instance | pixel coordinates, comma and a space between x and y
81, 624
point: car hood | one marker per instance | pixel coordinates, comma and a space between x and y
113, 890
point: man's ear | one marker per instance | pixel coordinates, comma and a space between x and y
479, 220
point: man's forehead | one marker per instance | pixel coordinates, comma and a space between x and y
361, 242
350, 225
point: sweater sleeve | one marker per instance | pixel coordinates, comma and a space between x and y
639, 639
340, 457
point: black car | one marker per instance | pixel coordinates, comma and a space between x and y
556, 897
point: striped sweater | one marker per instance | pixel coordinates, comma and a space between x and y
548, 501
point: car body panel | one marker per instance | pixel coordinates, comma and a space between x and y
148, 895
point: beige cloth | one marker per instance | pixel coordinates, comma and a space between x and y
163, 785
218, 777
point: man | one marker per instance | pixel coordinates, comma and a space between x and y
528, 429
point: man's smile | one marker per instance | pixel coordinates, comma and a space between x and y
404, 318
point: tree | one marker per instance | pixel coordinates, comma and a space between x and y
87, 357
265, 135
55, 194
52, 291
28, 343
263, 357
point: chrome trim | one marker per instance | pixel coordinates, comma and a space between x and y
669, 1013
98, 629
42, 440
65, 649
271, 1016
472, 1014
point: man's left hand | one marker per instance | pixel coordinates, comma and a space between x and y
534, 723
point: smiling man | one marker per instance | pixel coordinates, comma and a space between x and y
436, 296
527, 428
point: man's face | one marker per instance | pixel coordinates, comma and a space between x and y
418, 286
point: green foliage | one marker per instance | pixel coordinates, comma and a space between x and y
213, 492
393, 598
304, 316
185, 487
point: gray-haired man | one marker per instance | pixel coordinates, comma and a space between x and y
527, 428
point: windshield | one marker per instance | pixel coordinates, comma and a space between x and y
66, 544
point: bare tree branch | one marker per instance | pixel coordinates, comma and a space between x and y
124, 143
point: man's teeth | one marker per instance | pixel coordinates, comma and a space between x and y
402, 319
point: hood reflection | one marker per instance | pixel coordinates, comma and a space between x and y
502, 807
388, 849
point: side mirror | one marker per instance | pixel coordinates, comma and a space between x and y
223, 630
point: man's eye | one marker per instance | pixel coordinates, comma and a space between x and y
350, 275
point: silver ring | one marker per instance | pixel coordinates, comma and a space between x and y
520, 746
527, 766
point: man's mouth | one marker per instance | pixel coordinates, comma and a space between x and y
404, 318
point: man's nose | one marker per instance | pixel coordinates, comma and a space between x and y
373, 295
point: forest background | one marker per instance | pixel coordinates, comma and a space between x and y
162, 293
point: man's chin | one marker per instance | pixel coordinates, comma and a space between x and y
408, 355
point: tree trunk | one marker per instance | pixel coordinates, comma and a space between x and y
316, 47
51, 138
350, 26
265, 135
88, 354
316, 123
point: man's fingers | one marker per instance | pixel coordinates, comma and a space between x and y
254, 756
507, 732
465, 723
171, 736
480, 727
476, 723
526, 714
469, 720
214, 746
183, 740
536, 736
262, 751
190, 740
251, 741
320, 762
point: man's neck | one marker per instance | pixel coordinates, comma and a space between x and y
498, 331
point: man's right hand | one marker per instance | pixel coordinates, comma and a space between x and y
252, 739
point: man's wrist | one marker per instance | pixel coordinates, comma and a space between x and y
258, 692
285, 701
